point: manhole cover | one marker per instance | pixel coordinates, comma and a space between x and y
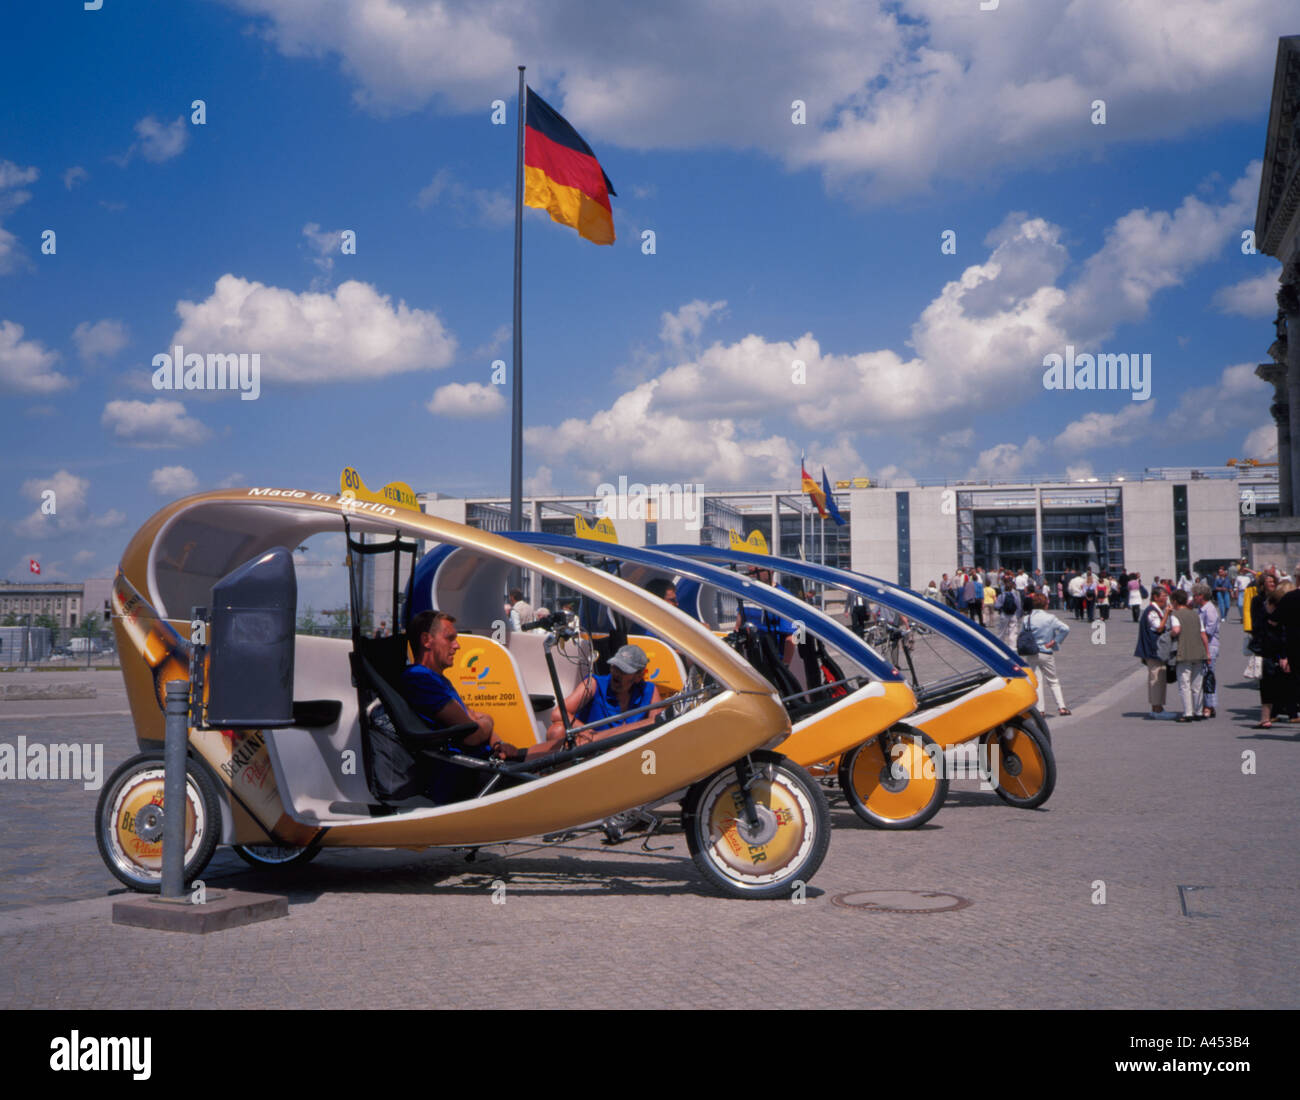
901, 901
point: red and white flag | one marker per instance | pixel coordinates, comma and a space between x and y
34, 566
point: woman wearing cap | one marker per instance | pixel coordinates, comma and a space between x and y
624, 689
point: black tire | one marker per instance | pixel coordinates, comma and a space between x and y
266, 857
1026, 767
801, 822
869, 779
1037, 716
130, 789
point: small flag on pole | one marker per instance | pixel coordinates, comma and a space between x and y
812, 489
562, 175
33, 566
830, 500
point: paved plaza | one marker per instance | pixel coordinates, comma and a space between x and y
1197, 860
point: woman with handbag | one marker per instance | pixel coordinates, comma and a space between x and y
1268, 637
1040, 640
1207, 609
1154, 646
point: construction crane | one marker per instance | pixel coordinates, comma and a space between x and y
1248, 462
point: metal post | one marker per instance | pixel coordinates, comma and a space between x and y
517, 382
821, 588
1038, 531
174, 800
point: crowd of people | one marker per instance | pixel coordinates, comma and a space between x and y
1178, 626
1271, 617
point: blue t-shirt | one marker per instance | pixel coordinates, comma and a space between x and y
605, 703
428, 692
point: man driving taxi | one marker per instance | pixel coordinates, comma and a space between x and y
433, 641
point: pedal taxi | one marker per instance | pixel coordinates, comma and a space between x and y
283, 731
975, 695
840, 695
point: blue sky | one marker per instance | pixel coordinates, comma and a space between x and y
774, 242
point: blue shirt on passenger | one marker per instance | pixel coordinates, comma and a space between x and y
604, 703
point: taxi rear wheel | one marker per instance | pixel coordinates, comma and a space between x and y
776, 858
129, 818
1025, 763
896, 786
268, 856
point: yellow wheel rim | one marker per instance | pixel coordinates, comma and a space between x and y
1027, 776
130, 814
896, 788
785, 835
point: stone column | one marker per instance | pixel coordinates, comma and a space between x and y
1276, 375
1288, 352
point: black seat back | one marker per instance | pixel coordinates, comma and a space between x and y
760, 649
393, 772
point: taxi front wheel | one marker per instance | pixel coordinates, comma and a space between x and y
896, 780
129, 821
773, 856
1025, 765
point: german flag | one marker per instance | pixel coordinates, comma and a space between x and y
562, 175
812, 489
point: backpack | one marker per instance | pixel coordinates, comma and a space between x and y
1009, 604
1026, 643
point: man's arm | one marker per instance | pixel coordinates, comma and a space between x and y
453, 714
575, 701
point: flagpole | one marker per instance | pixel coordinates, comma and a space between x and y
822, 593
517, 412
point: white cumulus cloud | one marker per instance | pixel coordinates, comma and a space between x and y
71, 508
158, 141
352, 333
898, 94
13, 193
1254, 297
1096, 430
464, 400
1231, 402
27, 366
684, 325
1008, 460
1261, 443
152, 424
173, 481
100, 340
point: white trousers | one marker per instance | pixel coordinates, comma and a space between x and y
1045, 666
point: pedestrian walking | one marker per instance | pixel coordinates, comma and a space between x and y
991, 593
1048, 632
1269, 642
1239, 587
1193, 650
1011, 606
972, 598
1210, 620
1136, 594
1074, 588
1222, 592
